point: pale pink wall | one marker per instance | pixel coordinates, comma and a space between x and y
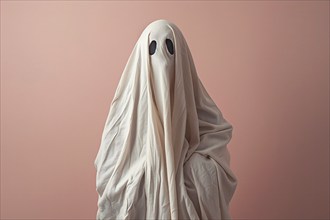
265, 63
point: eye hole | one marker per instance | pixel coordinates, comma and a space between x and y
152, 47
169, 45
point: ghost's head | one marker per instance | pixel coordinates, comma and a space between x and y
162, 49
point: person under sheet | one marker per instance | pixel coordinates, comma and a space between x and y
163, 152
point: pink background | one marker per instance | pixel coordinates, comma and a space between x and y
265, 63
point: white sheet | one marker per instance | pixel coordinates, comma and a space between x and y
163, 152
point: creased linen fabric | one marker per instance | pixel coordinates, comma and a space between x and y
163, 151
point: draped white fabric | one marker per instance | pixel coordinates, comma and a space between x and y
163, 152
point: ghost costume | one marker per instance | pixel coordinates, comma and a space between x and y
163, 151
